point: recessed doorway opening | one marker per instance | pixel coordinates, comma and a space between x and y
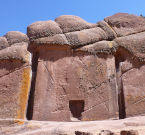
76, 107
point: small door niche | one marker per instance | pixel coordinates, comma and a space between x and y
76, 108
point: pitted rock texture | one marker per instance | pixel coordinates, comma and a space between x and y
15, 72
134, 44
43, 29
3, 43
16, 52
108, 30
16, 37
70, 23
125, 24
84, 37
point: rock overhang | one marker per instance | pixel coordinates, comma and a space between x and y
116, 31
14, 46
16, 52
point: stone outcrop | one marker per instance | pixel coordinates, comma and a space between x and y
88, 65
15, 76
125, 24
80, 71
74, 80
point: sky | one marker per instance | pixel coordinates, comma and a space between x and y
16, 15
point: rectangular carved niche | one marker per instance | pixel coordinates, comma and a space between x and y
76, 108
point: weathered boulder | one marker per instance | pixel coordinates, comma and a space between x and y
15, 77
43, 29
70, 23
3, 43
130, 59
134, 43
101, 47
108, 30
125, 24
86, 37
16, 37
58, 39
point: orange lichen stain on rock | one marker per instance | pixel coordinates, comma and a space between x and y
20, 122
110, 44
24, 92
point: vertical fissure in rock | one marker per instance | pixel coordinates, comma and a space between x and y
32, 89
121, 99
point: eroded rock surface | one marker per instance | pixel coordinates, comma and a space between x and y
80, 72
77, 77
125, 24
86, 66
15, 72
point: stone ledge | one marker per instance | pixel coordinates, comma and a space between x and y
23, 127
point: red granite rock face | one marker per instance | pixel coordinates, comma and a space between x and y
80, 71
83, 69
15, 76
134, 93
130, 59
67, 81
13, 92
